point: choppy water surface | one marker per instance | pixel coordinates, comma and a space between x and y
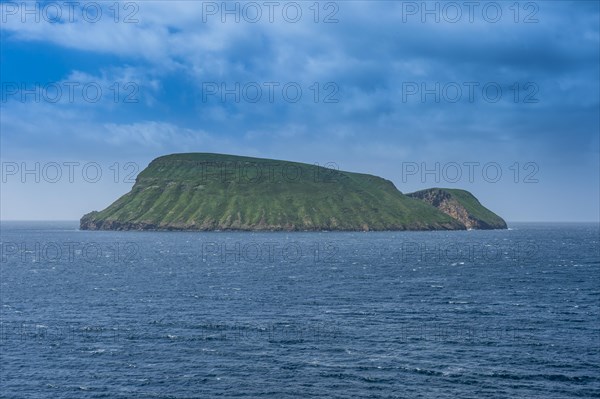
476, 314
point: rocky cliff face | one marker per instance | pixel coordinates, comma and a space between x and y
462, 206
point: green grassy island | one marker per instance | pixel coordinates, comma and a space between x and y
206, 192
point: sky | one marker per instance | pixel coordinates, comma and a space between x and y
497, 98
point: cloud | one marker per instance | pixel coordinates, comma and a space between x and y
153, 134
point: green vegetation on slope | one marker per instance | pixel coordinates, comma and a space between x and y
461, 205
200, 191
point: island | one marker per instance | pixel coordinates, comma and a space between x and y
210, 192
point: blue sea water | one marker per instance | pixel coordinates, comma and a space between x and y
465, 314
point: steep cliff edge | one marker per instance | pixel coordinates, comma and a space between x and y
462, 206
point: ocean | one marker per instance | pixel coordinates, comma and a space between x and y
461, 314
